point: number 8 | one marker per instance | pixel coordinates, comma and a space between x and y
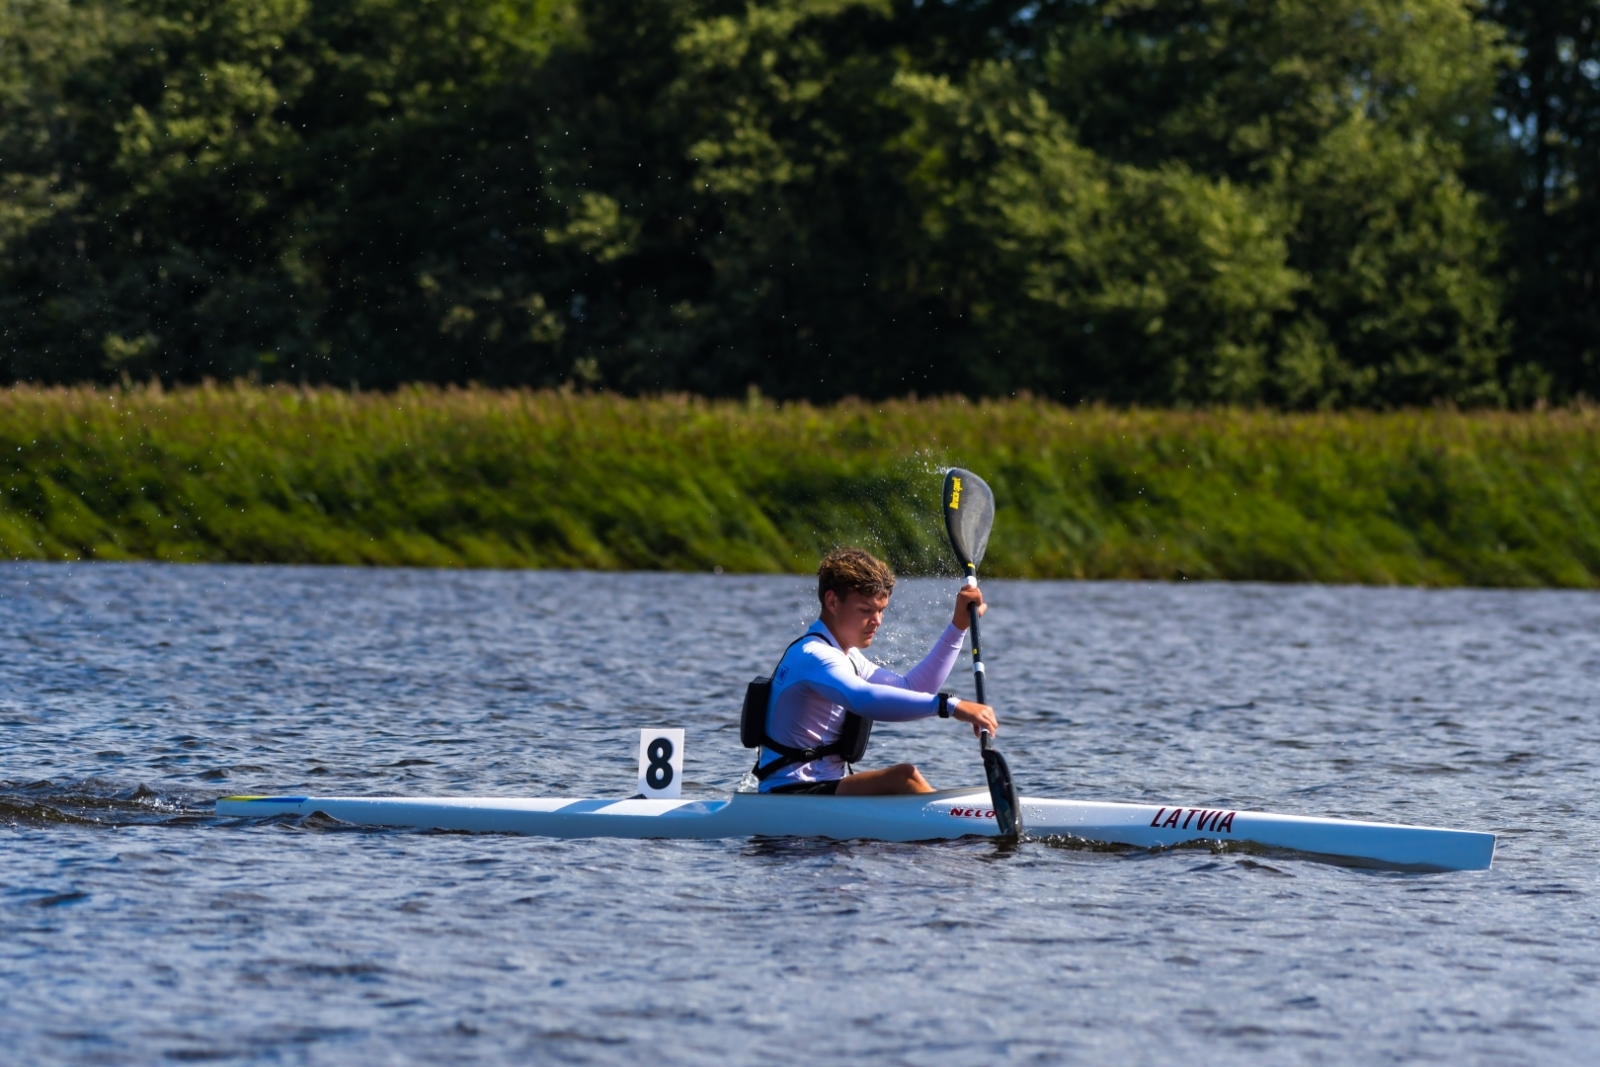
659, 773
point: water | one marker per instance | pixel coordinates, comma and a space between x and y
137, 928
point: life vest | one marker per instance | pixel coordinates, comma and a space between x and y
853, 736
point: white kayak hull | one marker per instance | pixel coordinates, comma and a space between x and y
931, 816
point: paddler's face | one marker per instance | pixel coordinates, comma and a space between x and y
855, 619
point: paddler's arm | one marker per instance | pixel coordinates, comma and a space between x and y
930, 674
830, 674
881, 703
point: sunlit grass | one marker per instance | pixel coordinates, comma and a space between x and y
482, 478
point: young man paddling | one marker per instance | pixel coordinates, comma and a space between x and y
823, 676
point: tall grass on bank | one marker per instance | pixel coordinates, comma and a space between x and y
523, 479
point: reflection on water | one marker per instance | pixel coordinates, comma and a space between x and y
136, 927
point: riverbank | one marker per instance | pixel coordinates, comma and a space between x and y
481, 478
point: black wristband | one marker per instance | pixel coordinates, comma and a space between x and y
944, 705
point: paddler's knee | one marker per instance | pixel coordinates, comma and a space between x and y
900, 778
909, 778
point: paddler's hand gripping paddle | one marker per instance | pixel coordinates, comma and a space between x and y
968, 516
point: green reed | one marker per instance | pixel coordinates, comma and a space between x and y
480, 478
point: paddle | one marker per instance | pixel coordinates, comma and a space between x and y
968, 515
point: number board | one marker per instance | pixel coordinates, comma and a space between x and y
661, 763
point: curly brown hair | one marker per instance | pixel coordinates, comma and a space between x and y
850, 570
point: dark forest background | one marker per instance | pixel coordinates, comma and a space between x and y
1300, 203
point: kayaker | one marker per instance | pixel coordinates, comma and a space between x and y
824, 675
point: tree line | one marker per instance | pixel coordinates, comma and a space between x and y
1341, 203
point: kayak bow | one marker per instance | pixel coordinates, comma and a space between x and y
947, 814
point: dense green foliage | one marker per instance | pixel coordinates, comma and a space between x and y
480, 478
1549, 190
1304, 204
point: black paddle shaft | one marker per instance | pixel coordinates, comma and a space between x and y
1002, 790
977, 653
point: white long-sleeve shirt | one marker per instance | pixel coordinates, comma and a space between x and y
817, 682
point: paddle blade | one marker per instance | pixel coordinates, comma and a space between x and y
968, 515
1002, 791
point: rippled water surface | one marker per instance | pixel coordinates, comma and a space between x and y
136, 928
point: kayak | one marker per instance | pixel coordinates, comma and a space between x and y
947, 814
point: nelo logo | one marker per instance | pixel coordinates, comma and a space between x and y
972, 813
